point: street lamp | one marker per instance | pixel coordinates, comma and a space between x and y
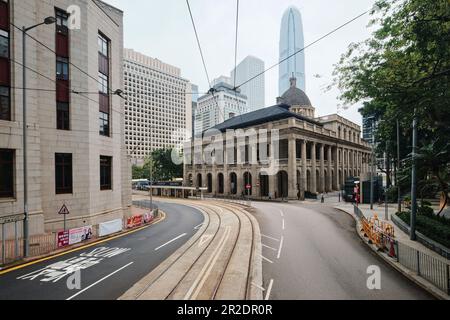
47, 21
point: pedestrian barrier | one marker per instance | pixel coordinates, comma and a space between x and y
381, 234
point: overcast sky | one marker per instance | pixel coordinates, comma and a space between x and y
162, 29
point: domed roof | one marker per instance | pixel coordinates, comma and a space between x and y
294, 96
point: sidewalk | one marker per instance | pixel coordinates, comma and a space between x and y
401, 237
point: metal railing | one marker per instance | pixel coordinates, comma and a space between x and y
434, 270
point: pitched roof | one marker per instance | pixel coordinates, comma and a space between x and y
261, 116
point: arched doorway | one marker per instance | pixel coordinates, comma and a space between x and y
233, 183
210, 186
199, 181
248, 181
220, 184
308, 181
319, 182
264, 184
340, 180
283, 184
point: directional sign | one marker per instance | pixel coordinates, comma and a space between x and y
64, 210
248, 187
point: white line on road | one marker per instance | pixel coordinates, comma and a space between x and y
269, 290
173, 240
102, 279
270, 238
284, 226
264, 258
259, 287
199, 226
282, 213
281, 247
266, 246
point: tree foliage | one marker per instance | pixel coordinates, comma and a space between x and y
161, 166
403, 70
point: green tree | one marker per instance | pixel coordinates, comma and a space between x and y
403, 70
162, 166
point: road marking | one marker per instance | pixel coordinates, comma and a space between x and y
282, 213
258, 287
269, 290
102, 279
169, 242
204, 239
264, 258
266, 246
284, 226
206, 270
82, 247
199, 226
281, 247
270, 238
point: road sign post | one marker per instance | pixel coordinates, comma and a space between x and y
64, 211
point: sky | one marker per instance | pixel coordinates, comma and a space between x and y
162, 29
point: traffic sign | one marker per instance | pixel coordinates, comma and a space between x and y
64, 210
248, 187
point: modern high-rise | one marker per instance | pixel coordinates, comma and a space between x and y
76, 152
255, 89
158, 110
217, 108
291, 41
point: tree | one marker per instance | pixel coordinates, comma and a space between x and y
160, 164
402, 71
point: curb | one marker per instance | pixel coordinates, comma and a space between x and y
410, 275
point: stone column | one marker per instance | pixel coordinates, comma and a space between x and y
322, 169
336, 168
314, 168
342, 167
303, 186
292, 165
272, 186
329, 186
226, 174
240, 180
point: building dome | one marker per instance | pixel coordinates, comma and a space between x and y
295, 96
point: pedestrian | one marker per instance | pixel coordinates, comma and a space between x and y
322, 199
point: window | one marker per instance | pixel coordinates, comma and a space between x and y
62, 116
7, 173
62, 68
63, 173
104, 123
62, 18
105, 173
5, 72
102, 83
4, 44
103, 45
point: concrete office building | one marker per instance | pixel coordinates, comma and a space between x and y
158, 110
217, 108
311, 155
255, 89
291, 41
76, 147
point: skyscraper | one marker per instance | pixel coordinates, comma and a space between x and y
291, 41
255, 89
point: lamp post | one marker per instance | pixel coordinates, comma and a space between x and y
399, 194
414, 180
47, 21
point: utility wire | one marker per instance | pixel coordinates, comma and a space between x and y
235, 59
211, 90
303, 49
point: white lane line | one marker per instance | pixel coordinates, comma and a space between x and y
264, 258
284, 225
199, 226
262, 235
258, 287
266, 246
269, 290
282, 213
102, 279
169, 242
281, 247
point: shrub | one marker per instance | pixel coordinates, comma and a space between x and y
434, 227
426, 211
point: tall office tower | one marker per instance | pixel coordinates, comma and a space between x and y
222, 79
158, 110
76, 152
255, 89
195, 96
291, 41
225, 104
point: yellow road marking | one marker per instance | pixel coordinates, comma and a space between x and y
82, 247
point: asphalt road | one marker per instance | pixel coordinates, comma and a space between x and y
312, 251
111, 268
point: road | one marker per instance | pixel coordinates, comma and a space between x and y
112, 267
312, 251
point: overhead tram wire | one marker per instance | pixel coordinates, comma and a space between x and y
304, 48
211, 90
235, 59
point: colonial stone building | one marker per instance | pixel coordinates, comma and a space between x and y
304, 153
76, 147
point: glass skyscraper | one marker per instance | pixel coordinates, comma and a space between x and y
291, 41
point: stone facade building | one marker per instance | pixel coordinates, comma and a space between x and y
76, 147
310, 154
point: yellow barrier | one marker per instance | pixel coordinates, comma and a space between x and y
378, 231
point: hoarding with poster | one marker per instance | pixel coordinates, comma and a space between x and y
135, 221
73, 236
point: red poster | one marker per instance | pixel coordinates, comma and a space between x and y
135, 221
63, 239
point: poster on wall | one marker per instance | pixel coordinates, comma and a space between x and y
63, 239
74, 236
135, 221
